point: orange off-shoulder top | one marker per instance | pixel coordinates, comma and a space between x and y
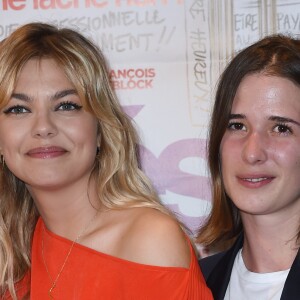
89, 274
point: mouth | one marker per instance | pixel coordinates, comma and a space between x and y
255, 182
46, 152
255, 179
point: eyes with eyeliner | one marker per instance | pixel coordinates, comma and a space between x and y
280, 128
62, 106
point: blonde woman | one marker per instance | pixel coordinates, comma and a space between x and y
78, 218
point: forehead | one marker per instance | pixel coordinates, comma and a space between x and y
41, 67
260, 93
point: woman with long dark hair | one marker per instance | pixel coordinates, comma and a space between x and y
254, 161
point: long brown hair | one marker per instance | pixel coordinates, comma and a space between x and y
275, 55
120, 181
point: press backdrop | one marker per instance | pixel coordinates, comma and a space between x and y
165, 58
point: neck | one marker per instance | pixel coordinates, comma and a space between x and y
66, 210
270, 244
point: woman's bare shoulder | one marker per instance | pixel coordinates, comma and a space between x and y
154, 238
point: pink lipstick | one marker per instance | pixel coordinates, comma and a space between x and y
46, 152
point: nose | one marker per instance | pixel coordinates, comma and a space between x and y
255, 148
44, 125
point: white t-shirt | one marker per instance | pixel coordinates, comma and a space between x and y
246, 285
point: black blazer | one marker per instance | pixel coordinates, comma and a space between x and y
217, 271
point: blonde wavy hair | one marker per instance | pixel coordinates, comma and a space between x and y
121, 183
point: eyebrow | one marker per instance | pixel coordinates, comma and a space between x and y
56, 96
283, 120
271, 118
20, 96
236, 116
63, 93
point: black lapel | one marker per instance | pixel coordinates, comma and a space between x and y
219, 278
291, 289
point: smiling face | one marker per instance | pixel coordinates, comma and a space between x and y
47, 139
260, 150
